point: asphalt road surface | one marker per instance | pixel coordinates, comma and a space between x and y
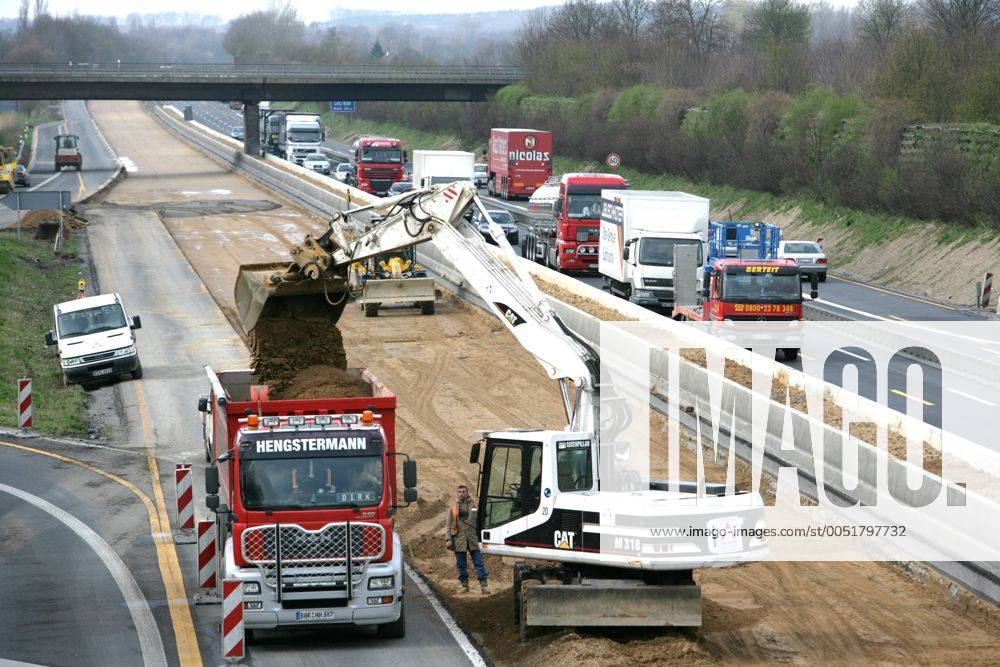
184, 330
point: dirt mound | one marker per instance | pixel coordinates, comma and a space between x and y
325, 382
282, 348
35, 219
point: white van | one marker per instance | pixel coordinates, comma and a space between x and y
95, 339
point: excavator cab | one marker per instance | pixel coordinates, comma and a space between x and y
8, 163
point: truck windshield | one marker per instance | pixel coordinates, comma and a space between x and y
91, 320
311, 482
660, 252
382, 155
762, 288
583, 206
304, 136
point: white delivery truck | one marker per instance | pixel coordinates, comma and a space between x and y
639, 229
431, 167
95, 340
299, 135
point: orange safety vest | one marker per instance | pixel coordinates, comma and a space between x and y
454, 519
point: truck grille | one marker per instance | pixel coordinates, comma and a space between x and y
98, 357
381, 185
657, 282
327, 545
314, 560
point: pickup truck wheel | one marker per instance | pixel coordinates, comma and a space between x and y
427, 308
137, 373
247, 637
822, 277
790, 353
371, 310
396, 629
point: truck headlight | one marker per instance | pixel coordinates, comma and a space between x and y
644, 294
251, 588
125, 351
381, 583
71, 361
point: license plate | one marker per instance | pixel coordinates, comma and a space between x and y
102, 371
315, 616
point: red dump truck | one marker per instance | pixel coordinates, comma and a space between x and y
519, 161
305, 495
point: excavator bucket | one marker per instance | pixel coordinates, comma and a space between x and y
279, 290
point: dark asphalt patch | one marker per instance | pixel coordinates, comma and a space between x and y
199, 208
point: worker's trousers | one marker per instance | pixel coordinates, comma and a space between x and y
462, 563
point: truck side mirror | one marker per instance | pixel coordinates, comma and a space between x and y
212, 502
626, 251
405, 156
474, 452
409, 473
50, 338
211, 480
136, 322
409, 495
203, 404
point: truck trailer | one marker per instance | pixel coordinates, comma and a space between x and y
639, 231
305, 494
519, 162
433, 167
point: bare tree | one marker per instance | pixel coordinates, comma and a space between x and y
962, 19
881, 21
697, 22
631, 17
41, 8
23, 15
579, 20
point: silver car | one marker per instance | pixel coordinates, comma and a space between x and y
344, 172
317, 162
807, 254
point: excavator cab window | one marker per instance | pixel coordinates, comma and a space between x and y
573, 465
512, 482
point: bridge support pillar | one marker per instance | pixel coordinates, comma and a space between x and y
251, 128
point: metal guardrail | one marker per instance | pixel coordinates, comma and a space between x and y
110, 71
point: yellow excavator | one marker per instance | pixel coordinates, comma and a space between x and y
8, 163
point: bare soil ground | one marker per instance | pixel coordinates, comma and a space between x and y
459, 371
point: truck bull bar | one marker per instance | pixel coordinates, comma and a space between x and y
292, 557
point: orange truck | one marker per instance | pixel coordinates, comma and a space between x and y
768, 290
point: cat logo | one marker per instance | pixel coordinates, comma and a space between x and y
508, 314
563, 539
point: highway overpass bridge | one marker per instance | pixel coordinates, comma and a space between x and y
252, 84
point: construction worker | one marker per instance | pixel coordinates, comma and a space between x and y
460, 537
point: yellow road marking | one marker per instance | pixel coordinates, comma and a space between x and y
905, 395
166, 556
891, 293
170, 570
83, 187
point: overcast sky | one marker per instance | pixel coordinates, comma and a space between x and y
309, 10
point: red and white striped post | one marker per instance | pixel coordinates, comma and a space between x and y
207, 593
24, 403
984, 299
232, 620
185, 504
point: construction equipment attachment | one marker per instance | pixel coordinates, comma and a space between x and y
281, 290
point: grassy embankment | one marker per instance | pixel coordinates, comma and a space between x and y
13, 125
866, 228
31, 280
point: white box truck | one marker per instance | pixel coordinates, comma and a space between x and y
639, 229
432, 167
299, 135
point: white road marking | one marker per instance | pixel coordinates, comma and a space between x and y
42, 184
142, 618
805, 295
971, 397
856, 356
463, 641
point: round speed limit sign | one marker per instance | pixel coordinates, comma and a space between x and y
613, 160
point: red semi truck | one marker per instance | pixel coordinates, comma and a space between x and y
305, 495
519, 161
378, 163
566, 239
